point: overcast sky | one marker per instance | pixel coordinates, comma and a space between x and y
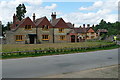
75, 11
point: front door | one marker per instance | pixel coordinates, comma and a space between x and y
32, 39
72, 38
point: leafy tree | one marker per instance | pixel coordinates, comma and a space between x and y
20, 11
4, 28
113, 28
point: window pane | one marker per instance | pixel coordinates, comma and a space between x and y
19, 37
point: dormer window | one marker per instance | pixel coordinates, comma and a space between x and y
45, 27
28, 27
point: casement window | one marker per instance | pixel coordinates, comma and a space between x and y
19, 37
28, 27
87, 37
45, 27
45, 37
61, 30
62, 37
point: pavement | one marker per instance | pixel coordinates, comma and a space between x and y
34, 67
103, 72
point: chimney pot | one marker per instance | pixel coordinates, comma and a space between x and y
80, 27
14, 18
53, 16
73, 25
83, 25
88, 25
33, 17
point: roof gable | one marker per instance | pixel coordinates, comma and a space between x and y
38, 21
43, 21
90, 30
26, 21
60, 23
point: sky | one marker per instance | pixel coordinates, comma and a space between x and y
77, 12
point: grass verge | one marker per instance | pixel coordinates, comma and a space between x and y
56, 52
27, 47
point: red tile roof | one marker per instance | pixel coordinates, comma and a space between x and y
22, 23
70, 25
82, 30
39, 20
42, 21
59, 23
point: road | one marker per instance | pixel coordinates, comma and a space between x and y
49, 65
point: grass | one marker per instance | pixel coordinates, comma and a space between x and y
57, 52
27, 47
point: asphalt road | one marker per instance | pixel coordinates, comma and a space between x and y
50, 65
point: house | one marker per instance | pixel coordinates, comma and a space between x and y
42, 30
101, 32
21, 32
85, 33
60, 29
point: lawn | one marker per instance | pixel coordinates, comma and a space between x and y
26, 47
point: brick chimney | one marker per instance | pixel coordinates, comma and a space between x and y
83, 25
14, 18
88, 25
73, 25
33, 17
53, 16
80, 27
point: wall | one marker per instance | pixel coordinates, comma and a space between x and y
43, 32
57, 35
11, 35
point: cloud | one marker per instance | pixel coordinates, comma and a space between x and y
99, 10
53, 6
111, 5
89, 18
8, 8
103, 9
96, 5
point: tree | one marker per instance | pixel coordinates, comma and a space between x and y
20, 11
113, 28
3, 29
